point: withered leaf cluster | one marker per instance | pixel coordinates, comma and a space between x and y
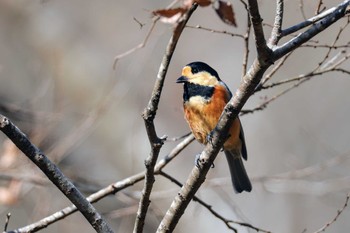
224, 10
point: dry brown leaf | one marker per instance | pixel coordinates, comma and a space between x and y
225, 12
170, 15
203, 3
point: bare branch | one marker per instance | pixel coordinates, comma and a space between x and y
178, 138
211, 210
318, 27
220, 133
139, 23
339, 212
272, 72
263, 105
111, 189
301, 6
161, 164
246, 89
277, 26
54, 174
8, 216
316, 46
318, 8
246, 42
215, 31
263, 50
149, 115
139, 46
322, 63
308, 22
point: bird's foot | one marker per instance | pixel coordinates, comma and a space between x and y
198, 161
210, 138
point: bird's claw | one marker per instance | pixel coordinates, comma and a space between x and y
198, 161
210, 138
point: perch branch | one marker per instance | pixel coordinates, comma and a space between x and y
265, 58
109, 190
149, 115
54, 174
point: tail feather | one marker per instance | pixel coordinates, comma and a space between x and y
239, 175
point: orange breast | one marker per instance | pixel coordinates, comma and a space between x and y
202, 116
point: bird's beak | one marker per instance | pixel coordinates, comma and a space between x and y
182, 79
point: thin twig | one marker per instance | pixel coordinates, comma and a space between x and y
110, 189
220, 133
139, 46
265, 58
321, 64
139, 23
54, 174
308, 22
8, 216
327, 20
246, 42
215, 31
318, 8
316, 46
263, 105
329, 67
301, 6
272, 72
149, 115
211, 210
175, 139
339, 212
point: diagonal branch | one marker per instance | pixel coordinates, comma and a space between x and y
54, 174
307, 23
250, 81
220, 133
339, 212
339, 12
149, 115
111, 189
211, 210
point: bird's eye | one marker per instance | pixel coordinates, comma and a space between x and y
194, 70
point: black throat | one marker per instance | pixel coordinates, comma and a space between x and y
191, 89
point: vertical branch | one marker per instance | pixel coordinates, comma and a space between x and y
246, 41
149, 115
250, 81
277, 26
263, 51
107, 191
54, 174
220, 133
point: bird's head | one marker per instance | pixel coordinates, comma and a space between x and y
199, 73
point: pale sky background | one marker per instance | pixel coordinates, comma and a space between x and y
56, 61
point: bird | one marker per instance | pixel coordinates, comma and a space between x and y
205, 96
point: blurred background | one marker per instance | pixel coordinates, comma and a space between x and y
57, 83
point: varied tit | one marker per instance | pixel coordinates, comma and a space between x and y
205, 97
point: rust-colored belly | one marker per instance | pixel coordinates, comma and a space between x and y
202, 116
